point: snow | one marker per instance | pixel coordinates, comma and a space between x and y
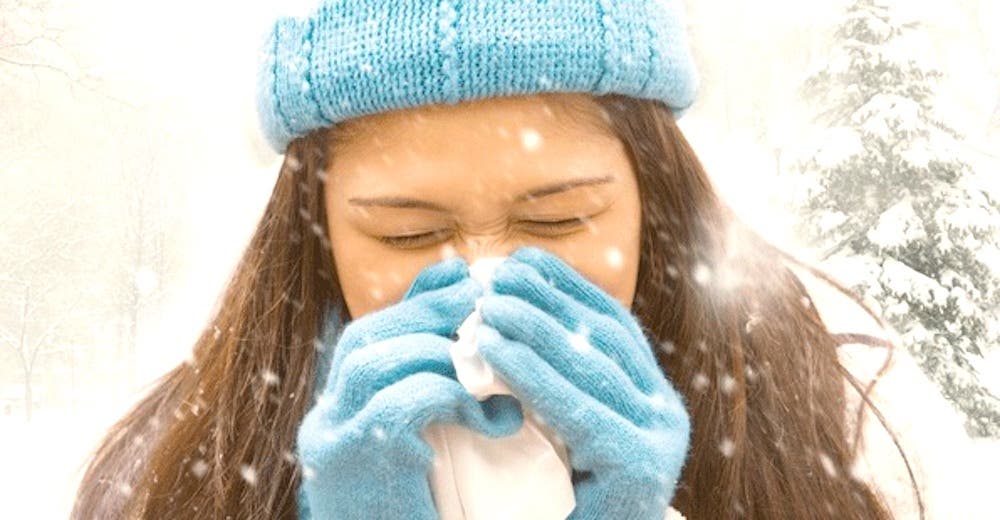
898, 226
902, 279
852, 270
43, 459
888, 115
199, 467
270, 378
727, 446
989, 371
967, 218
917, 154
830, 219
838, 144
881, 29
531, 140
828, 465
249, 474
700, 381
146, 280
728, 384
702, 274
580, 342
614, 257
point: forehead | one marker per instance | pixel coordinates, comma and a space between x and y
479, 150
574, 115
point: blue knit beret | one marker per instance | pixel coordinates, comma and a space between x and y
349, 58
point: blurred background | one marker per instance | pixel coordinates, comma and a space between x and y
132, 173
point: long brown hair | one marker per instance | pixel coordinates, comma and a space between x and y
215, 436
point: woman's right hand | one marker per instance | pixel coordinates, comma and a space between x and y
360, 444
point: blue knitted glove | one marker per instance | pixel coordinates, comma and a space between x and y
580, 360
360, 444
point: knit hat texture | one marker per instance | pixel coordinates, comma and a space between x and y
349, 58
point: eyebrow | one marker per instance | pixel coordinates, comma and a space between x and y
544, 191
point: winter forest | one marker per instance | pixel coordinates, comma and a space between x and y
862, 136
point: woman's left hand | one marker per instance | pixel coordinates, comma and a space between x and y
580, 360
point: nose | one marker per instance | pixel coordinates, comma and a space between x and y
475, 247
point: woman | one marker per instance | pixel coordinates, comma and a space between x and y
465, 108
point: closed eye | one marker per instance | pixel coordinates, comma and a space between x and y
409, 240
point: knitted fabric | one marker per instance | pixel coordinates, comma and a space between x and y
581, 359
359, 444
350, 58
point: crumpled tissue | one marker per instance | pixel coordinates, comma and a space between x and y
526, 475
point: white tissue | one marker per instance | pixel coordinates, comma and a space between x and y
526, 475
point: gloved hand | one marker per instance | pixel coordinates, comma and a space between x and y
580, 360
360, 444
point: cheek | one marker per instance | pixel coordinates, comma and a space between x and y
609, 258
370, 283
371, 277
612, 266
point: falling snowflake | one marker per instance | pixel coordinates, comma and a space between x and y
270, 378
317, 229
828, 465
727, 446
702, 274
146, 280
728, 384
700, 381
531, 140
658, 400
199, 468
249, 474
613, 255
752, 322
580, 342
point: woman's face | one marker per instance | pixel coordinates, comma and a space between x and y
457, 179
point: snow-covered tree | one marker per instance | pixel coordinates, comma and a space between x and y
894, 211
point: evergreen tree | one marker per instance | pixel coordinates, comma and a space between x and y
893, 211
